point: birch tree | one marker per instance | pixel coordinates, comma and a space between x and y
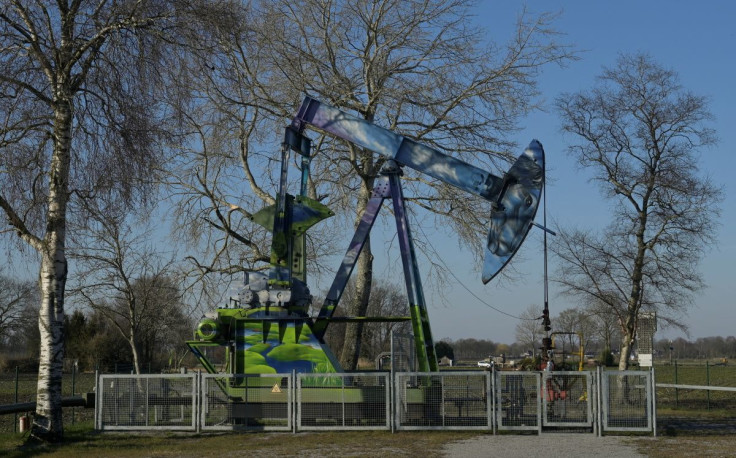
419, 68
82, 117
640, 133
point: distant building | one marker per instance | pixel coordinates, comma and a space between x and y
445, 361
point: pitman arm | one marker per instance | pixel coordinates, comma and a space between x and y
515, 196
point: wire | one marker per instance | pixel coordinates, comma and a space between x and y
439, 258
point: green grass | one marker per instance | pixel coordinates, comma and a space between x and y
678, 402
82, 441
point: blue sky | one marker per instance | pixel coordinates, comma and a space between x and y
698, 41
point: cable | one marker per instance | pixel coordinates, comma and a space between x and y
439, 258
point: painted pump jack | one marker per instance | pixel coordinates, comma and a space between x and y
267, 329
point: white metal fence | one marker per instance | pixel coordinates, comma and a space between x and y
566, 397
246, 402
145, 402
518, 401
600, 402
443, 400
629, 402
343, 401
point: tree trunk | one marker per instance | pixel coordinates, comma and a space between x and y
134, 351
364, 279
47, 422
627, 341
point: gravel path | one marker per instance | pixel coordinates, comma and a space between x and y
549, 445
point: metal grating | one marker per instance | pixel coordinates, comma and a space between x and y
352, 401
445, 400
131, 402
518, 400
566, 399
247, 402
626, 401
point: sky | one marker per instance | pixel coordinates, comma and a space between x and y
695, 39
698, 41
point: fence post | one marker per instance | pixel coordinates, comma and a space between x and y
654, 403
74, 386
677, 405
15, 416
707, 381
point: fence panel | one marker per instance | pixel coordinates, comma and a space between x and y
518, 401
247, 402
352, 401
144, 402
627, 401
566, 399
445, 400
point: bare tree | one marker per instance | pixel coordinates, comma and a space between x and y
605, 323
15, 296
416, 67
529, 330
578, 322
639, 133
83, 116
122, 275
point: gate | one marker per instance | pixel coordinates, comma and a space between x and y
566, 399
144, 402
444, 400
626, 401
246, 402
518, 401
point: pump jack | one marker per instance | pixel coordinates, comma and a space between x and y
266, 328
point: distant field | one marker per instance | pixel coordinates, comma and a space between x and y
26, 389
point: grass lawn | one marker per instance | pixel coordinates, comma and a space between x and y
82, 441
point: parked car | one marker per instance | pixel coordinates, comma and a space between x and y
484, 364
